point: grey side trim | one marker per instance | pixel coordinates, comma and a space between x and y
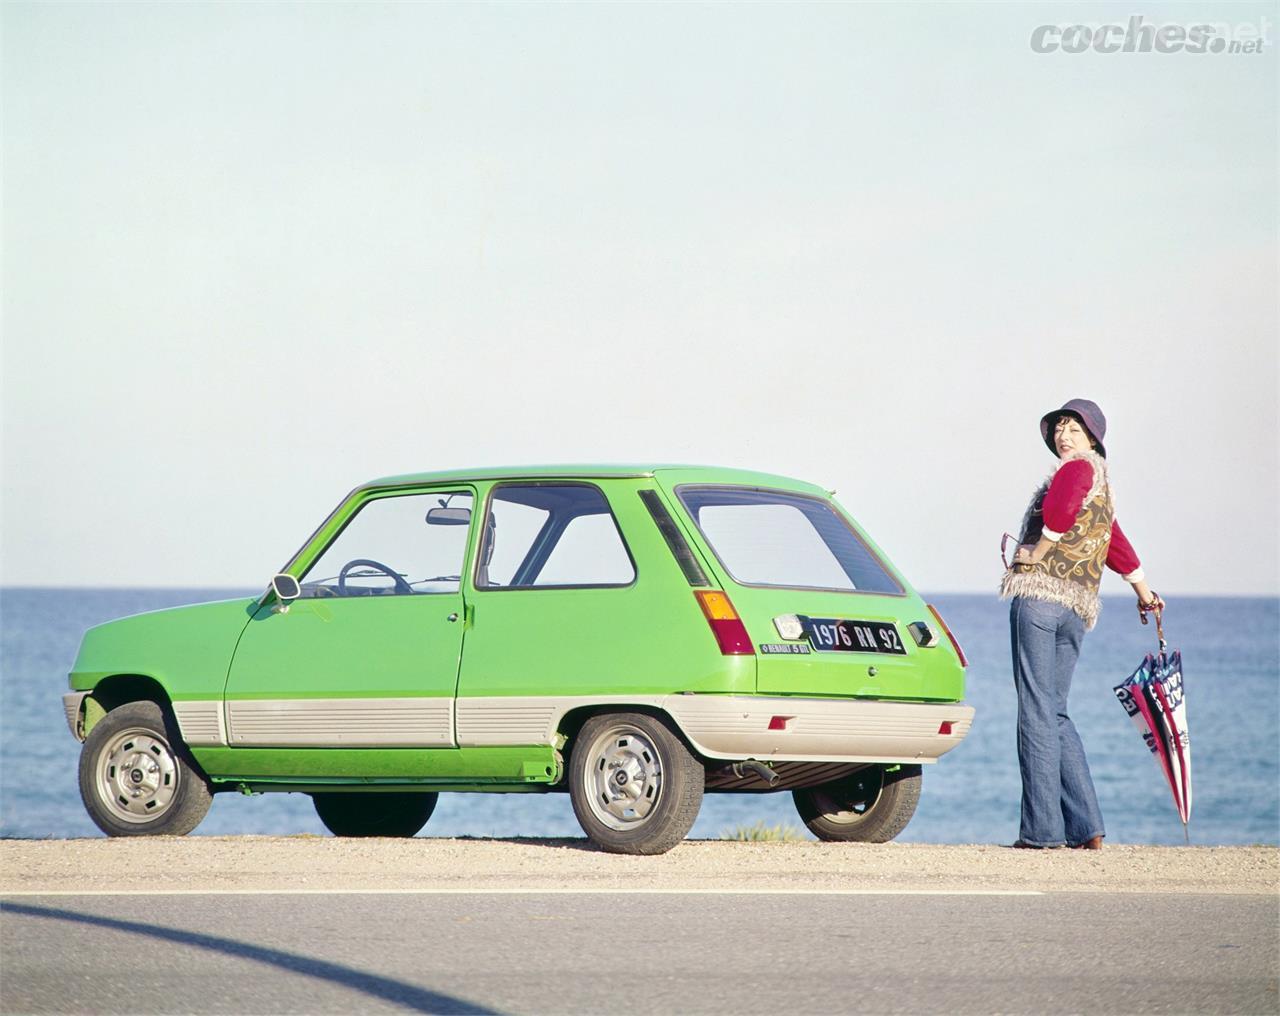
511, 720
506, 721
718, 726
341, 723
201, 722
843, 730
737, 726
72, 702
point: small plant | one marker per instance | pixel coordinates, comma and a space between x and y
761, 833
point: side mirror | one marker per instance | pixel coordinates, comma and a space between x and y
286, 589
449, 517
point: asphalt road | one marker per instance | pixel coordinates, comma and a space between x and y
639, 953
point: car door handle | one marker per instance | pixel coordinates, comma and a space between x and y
452, 617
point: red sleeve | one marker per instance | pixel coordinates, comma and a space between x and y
1065, 497
1122, 557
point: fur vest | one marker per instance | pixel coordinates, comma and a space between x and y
1071, 571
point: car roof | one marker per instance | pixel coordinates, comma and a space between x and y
670, 474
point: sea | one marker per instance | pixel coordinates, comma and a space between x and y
1231, 663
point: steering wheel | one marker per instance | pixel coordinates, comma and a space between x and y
401, 585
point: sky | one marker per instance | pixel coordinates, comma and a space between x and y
256, 254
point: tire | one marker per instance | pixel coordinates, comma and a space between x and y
635, 787
375, 814
137, 777
870, 806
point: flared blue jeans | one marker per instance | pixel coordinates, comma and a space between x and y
1059, 805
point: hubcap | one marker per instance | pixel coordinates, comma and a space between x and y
137, 776
624, 778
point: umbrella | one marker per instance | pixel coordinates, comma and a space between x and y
1154, 698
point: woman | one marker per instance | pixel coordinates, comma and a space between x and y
1069, 533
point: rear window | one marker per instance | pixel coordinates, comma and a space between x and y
771, 538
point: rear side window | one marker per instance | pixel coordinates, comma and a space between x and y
773, 538
551, 535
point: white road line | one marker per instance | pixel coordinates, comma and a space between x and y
521, 892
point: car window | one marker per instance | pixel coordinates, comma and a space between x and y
588, 553
546, 534
510, 531
411, 543
770, 538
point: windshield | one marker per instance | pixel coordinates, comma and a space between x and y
772, 538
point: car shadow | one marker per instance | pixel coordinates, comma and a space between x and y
407, 996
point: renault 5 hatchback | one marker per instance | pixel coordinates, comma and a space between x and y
635, 637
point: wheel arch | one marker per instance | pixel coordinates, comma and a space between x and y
112, 692
118, 690
572, 722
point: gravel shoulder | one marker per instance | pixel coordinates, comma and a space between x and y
311, 863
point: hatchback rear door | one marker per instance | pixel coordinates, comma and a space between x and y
827, 614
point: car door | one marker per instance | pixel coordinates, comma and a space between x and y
368, 655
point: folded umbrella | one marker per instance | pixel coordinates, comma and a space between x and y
1154, 697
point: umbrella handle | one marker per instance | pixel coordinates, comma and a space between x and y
1157, 608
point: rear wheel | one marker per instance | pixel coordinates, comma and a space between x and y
374, 814
136, 778
636, 788
870, 806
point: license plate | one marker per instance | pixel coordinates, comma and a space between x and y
829, 635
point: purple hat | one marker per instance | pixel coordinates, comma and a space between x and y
1090, 417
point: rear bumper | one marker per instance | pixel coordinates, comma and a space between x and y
813, 730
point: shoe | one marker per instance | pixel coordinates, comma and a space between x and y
1093, 844
1024, 845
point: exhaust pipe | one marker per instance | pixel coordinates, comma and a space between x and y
756, 767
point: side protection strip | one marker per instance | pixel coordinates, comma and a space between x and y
718, 726
201, 722
340, 723
744, 726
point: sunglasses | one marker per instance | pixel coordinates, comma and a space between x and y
1004, 543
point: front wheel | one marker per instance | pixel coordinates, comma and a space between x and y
375, 814
636, 789
136, 778
870, 806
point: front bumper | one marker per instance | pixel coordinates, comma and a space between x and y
73, 703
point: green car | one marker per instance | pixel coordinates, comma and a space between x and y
635, 636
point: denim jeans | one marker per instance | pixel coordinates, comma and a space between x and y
1058, 802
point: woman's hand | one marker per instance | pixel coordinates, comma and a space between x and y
1147, 600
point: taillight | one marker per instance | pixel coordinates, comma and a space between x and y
725, 623
959, 652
